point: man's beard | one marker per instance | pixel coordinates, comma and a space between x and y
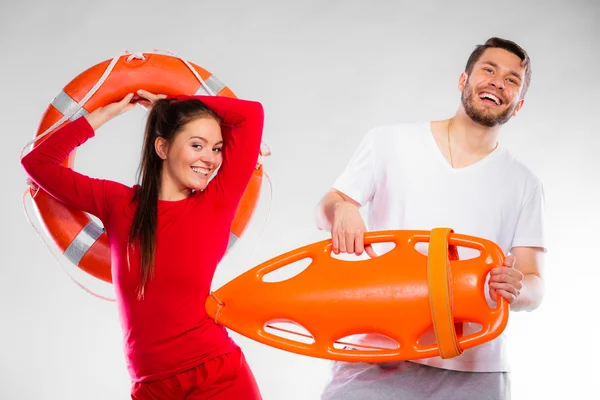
483, 117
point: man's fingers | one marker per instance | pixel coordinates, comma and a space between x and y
342, 242
358, 245
493, 294
507, 295
506, 287
510, 261
335, 242
370, 252
516, 283
350, 238
358, 240
506, 271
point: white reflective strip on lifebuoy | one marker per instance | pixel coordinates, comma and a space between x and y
213, 83
232, 239
83, 241
66, 105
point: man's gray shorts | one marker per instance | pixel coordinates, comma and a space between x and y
412, 381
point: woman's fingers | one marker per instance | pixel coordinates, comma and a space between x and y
150, 96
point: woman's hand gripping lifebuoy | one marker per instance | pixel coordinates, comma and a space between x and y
102, 115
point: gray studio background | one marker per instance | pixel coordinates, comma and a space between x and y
326, 72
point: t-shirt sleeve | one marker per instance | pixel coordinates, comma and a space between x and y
530, 230
357, 180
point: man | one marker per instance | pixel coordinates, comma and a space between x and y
451, 173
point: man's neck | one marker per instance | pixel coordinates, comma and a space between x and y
470, 138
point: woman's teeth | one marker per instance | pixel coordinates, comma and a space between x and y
201, 171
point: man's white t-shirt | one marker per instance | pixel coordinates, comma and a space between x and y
399, 171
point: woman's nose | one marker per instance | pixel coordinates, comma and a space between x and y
208, 156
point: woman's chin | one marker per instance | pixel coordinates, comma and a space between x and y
199, 185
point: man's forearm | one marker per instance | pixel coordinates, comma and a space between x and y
326, 209
531, 294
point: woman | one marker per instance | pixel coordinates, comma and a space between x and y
167, 234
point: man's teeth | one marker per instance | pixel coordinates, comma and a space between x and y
490, 96
201, 171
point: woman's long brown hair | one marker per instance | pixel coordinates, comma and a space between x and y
167, 117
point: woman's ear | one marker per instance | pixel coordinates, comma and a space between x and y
161, 146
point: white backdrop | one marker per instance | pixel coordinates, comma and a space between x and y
326, 72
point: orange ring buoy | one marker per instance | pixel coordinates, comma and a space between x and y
83, 242
401, 294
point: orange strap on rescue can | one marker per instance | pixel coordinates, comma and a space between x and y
441, 296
